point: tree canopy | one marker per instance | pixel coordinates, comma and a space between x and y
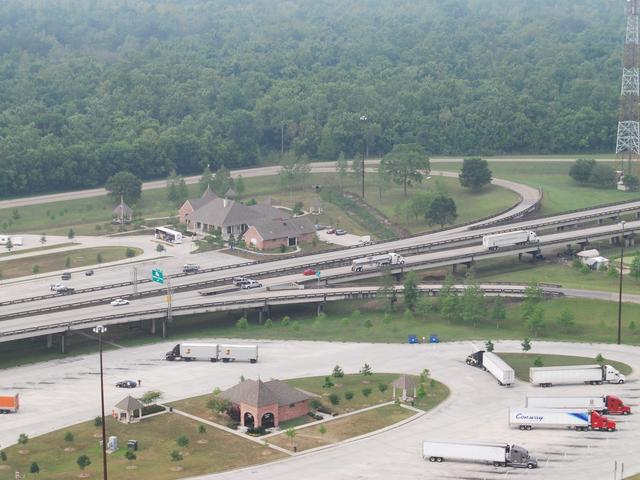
405, 164
475, 173
125, 185
91, 88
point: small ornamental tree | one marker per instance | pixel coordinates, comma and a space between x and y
348, 395
34, 468
83, 462
600, 358
566, 320
328, 383
366, 370
488, 346
149, 397
68, 437
71, 234
97, 422
129, 455
366, 391
421, 392
334, 399
538, 362
3, 456
182, 441
23, 438
526, 344
291, 434
337, 372
202, 429
242, 323
383, 387
322, 430
175, 456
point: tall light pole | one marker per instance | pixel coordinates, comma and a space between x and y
364, 119
100, 329
622, 240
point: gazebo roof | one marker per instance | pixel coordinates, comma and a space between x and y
404, 382
260, 394
123, 209
129, 404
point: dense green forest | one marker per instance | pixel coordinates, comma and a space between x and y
91, 87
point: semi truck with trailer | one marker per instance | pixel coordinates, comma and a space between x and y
574, 418
376, 261
499, 454
493, 364
591, 374
509, 239
605, 404
213, 352
9, 402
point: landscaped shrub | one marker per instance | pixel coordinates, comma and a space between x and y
256, 431
182, 441
334, 399
366, 391
286, 321
382, 387
328, 383
314, 403
348, 395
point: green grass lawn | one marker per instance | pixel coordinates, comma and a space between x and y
560, 192
511, 270
58, 261
343, 428
521, 362
209, 452
20, 251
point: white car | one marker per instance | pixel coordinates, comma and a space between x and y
57, 287
251, 284
119, 301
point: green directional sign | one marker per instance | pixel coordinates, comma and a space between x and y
157, 275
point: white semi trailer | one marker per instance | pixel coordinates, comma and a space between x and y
376, 261
509, 239
213, 352
593, 374
499, 454
493, 364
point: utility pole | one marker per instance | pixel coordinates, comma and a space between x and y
100, 330
628, 136
364, 119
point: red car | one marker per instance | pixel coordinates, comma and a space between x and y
309, 271
331, 230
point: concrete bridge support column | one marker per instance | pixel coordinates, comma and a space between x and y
164, 328
153, 326
560, 228
520, 256
63, 342
600, 221
454, 268
319, 308
49, 340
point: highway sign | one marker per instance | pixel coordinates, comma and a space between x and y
318, 273
157, 275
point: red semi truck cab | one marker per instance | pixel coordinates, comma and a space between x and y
615, 406
599, 422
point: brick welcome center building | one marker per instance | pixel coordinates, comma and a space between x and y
266, 404
261, 226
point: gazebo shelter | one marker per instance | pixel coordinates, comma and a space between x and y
123, 213
404, 383
125, 409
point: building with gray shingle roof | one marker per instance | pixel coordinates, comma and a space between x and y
126, 409
266, 403
404, 383
123, 213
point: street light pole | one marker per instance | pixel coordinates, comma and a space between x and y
100, 329
620, 290
364, 119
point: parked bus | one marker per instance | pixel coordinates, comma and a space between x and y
168, 235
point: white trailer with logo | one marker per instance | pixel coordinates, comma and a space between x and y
575, 418
232, 353
194, 351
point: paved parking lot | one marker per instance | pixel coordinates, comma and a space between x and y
346, 240
59, 393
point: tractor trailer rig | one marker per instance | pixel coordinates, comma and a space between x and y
499, 454
590, 374
213, 352
574, 418
604, 404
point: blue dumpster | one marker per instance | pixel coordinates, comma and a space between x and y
413, 339
433, 338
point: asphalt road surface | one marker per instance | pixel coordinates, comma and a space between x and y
62, 392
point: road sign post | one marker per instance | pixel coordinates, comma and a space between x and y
318, 277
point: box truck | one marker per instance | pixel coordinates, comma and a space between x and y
500, 454
578, 419
9, 402
600, 403
509, 239
493, 364
212, 352
376, 261
592, 374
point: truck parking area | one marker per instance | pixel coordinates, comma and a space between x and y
477, 410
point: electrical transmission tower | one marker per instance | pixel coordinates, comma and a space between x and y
628, 138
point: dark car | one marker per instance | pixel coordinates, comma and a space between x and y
88, 273
66, 276
127, 384
66, 290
